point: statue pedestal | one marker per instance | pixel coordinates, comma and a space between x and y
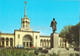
52, 40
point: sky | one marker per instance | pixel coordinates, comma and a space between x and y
40, 13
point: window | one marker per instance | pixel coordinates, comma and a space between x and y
18, 36
24, 44
36, 37
2, 43
2, 39
6, 43
22, 21
11, 42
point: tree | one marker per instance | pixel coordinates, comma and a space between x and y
65, 33
74, 34
71, 34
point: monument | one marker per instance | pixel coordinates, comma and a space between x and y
54, 44
53, 25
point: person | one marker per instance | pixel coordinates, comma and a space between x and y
53, 25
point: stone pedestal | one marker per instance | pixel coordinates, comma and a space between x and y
52, 40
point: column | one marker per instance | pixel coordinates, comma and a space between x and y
49, 43
67, 44
5, 43
45, 43
61, 44
9, 43
41, 43
13, 43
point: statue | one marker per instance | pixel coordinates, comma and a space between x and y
53, 25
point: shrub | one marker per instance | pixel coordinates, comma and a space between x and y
36, 52
67, 48
40, 48
44, 51
31, 49
71, 55
76, 54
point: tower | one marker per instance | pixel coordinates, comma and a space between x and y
25, 22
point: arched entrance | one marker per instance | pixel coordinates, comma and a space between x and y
27, 41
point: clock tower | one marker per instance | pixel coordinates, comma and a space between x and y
25, 22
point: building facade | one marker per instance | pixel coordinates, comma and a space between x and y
27, 37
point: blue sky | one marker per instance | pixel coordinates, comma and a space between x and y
40, 13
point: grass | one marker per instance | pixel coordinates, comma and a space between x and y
16, 52
20, 52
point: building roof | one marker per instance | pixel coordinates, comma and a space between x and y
28, 31
44, 36
7, 33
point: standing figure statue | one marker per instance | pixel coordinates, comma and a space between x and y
53, 25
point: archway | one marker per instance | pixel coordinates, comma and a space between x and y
2, 39
27, 41
11, 42
7, 41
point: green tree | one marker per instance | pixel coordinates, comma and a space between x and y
65, 33
71, 34
74, 34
